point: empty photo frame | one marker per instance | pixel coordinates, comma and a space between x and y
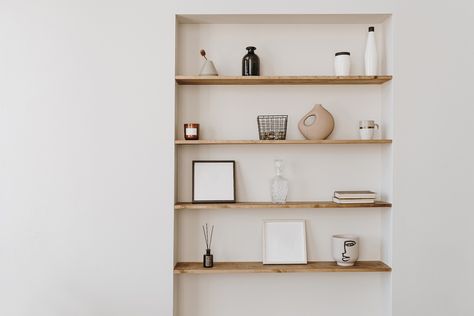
284, 242
213, 181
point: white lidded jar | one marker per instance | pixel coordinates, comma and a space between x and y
342, 64
371, 60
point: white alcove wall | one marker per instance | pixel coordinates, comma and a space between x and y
286, 45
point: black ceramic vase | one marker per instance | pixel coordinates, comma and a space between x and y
251, 63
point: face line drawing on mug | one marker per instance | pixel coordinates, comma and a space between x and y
347, 244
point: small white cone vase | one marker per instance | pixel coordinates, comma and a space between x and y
208, 69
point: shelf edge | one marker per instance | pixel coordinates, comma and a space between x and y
259, 267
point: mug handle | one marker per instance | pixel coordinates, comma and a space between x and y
377, 126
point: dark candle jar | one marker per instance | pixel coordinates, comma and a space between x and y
191, 131
251, 63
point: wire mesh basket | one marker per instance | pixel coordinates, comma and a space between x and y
272, 127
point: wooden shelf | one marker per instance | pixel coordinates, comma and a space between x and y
262, 205
280, 80
258, 267
283, 142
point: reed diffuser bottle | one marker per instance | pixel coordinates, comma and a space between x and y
208, 258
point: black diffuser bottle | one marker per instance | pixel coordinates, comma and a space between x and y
251, 63
208, 259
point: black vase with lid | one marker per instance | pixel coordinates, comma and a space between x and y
251, 63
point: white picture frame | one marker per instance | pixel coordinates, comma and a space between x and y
213, 181
284, 242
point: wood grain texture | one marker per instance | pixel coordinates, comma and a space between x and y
258, 267
280, 80
283, 142
263, 205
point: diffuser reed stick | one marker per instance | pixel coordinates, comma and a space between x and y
207, 236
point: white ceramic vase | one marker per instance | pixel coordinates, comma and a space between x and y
345, 249
208, 69
371, 58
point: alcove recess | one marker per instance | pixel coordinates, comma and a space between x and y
297, 55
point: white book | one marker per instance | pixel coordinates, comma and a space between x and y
355, 194
352, 201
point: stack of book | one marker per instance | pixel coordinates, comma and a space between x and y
353, 197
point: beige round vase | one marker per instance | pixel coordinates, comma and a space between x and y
317, 124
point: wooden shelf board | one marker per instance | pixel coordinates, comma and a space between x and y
282, 18
283, 142
263, 205
258, 267
280, 80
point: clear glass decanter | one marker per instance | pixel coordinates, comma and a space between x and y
279, 185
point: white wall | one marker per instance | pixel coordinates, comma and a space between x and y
86, 153
434, 174
86, 160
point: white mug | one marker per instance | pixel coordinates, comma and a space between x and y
345, 249
366, 129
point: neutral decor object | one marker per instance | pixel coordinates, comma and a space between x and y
317, 124
371, 58
208, 258
353, 201
272, 127
213, 181
250, 63
367, 129
284, 242
345, 249
279, 184
355, 194
207, 68
342, 64
354, 197
191, 131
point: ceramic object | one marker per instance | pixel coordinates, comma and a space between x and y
371, 58
251, 63
342, 64
345, 249
208, 69
316, 124
367, 129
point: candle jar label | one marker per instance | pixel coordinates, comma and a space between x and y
191, 131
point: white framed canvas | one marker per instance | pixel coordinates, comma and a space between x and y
284, 242
213, 181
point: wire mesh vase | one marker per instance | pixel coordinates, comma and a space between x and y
272, 127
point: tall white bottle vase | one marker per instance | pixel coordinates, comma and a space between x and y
371, 58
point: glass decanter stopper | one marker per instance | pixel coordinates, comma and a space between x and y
279, 185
